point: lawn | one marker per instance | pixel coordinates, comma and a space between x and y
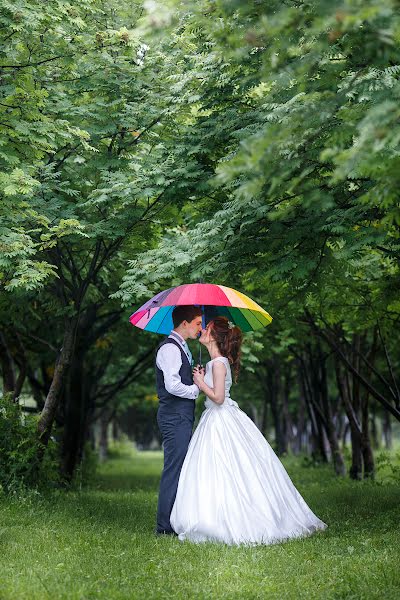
99, 543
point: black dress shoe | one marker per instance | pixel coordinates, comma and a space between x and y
165, 532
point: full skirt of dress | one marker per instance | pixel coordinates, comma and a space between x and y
234, 489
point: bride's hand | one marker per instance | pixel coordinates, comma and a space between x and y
198, 376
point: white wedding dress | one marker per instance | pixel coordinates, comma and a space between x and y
232, 487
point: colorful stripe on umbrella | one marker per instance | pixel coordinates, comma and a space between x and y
215, 300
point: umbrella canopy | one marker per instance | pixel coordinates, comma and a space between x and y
214, 300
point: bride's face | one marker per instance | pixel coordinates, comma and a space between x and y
206, 335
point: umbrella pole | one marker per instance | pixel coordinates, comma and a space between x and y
204, 324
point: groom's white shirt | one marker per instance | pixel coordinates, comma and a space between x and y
169, 360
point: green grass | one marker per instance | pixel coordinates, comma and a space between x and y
99, 543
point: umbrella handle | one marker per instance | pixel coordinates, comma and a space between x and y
203, 318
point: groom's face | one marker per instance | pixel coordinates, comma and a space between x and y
193, 328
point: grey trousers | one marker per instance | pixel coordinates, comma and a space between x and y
176, 431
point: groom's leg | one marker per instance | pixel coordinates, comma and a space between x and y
176, 432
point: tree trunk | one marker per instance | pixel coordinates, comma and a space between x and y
103, 441
341, 424
355, 429
387, 431
274, 380
74, 419
7, 366
115, 430
301, 432
318, 451
255, 416
337, 456
264, 417
346, 430
368, 456
63, 362
287, 418
10, 358
335, 344
79, 410
92, 437
356, 455
319, 395
374, 429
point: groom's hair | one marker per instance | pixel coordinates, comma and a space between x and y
185, 313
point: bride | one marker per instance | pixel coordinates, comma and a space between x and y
232, 487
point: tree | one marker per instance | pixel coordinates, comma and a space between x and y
89, 185
304, 153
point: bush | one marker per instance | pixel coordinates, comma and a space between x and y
19, 445
388, 466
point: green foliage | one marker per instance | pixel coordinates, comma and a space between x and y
296, 116
81, 154
19, 464
388, 466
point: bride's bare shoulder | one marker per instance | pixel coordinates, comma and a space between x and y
219, 365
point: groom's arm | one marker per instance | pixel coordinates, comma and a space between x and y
169, 360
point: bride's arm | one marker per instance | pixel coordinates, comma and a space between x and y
217, 393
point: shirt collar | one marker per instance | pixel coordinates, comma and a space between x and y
176, 335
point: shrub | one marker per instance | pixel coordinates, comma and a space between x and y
19, 445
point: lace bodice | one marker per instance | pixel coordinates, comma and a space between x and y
208, 378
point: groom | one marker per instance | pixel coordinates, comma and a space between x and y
177, 394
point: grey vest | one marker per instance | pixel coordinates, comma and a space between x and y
169, 403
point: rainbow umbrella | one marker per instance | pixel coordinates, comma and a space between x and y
214, 300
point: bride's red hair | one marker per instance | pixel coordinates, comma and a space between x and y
229, 342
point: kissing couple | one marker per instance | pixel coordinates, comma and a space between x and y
222, 483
